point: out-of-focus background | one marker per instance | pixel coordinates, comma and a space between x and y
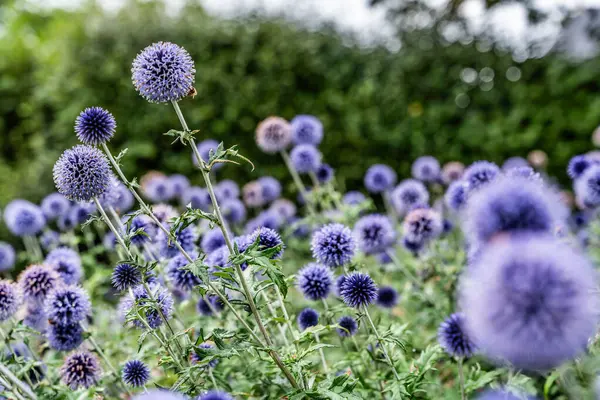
390, 80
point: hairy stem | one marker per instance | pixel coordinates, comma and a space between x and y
380, 341
298, 182
16, 381
461, 379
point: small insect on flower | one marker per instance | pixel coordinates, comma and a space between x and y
387, 297
353, 197
452, 172
348, 326
379, 178
23, 218
80, 369
82, 173
182, 278
7, 256
67, 305
64, 337
95, 126
358, 290
587, 187
333, 245
324, 173
273, 135
453, 337
480, 173
426, 169
37, 281
271, 188
135, 373
374, 233
204, 348
307, 129
214, 395
408, 194
307, 318
151, 314
10, 299
125, 276
305, 158
163, 72
314, 281
54, 205
67, 263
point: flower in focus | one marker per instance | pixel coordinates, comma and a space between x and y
308, 318
348, 326
267, 239
379, 178
140, 297
182, 278
273, 135
67, 305
314, 281
95, 126
333, 245
80, 369
453, 337
358, 290
125, 276
37, 281
135, 373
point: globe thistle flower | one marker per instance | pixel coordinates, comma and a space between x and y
195, 358
348, 326
158, 189
387, 297
452, 172
7, 256
215, 395
456, 195
234, 211
271, 188
164, 212
80, 369
197, 198
421, 225
409, 194
182, 278
124, 200
81, 212
353, 198
95, 126
308, 318
480, 173
358, 290
163, 72
514, 162
339, 282
267, 239
273, 135
64, 337
212, 240
305, 158
284, 208
135, 373
307, 129
204, 309
333, 245
82, 173
426, 169
299, 228
67, 263
578, 165
524, 172
374, 233
453, 337
512, 205
178, 183
10, 299
66, 222
141, 229
54, 205
314, 281
67, 305
37, 281
152, 316
227, 190
35, 318
587, 187
324, 173
206, 148
219, 258
23, 218
252, 194
530, 301
159, 394
49, 240
185, 237
379, 178
125, 276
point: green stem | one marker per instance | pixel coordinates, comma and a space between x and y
380, 341
212, 378
274, 315
322, 355
16, 381
461, 379
8, 386
298, 182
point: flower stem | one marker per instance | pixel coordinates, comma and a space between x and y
16, 381
7, 385
273, 314
380, 341
322, 355
212, 378
298, 182
461, 379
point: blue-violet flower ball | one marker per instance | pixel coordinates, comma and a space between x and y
64, 337
80, 369
125, 276
206, 149
135, 373
315, 281
409, 194
456, 195
179, 183
273, 135
578, 165
95, 126
307, 129
67, 305
252, 194
10, 299
140, 296
158, 189
23, 218
358, 290
271, 188
49, 240
333, 245
480, 173
124, 199
185, 237
227, 190
453, 337
421, 225
67, 263
348, 326
37, 281
308, 318
212, 240
54, 205
324, 173
182, 278
587, 187
233, 210
214, 395
387, 297
426, 169
374, 233
353, 198
7, 256
379, 178
284, 208
305, 158
196, 197
267, 239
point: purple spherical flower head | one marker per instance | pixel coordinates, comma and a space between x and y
80, 369
152, 316
307, 129
503, 395
180, 277
67, 263
358, 290
64, 337
271, 188
587, 187
95, 126
215, 395
206, 149
49, 240
374, 233
160, 394
10, 299
453, 337
267, 239
353, 198
578, 165
212, 240
514, 162
512, 205
233, 210
219, 258
158, 189
206, 347
387, 297
305, 158
82, 173
203, 308
125, 276
185, 237
408, 194
135, 373
227, 190
141, 229
324, 173
299, 228
124, 199
196, 197
273, 135
7, 256
348, 326
54, 205
23, 218
384, 258
530, 301
426, 169
80, 212
524, 172
452, 172
252, 194
480, 173
421, 225
163, 72
284, 208
314, 281
307, 318
179, 183
37, 281
333, 245
456, 195
67, 221
379, 178
67, 305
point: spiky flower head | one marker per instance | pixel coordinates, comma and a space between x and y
453, 337
140, 228
273, 135
212, 240
307, 318
374, 233
54, 205
215, 395
426, 169
267, 239
23, 218
182, 278
67, 305
305, 158
348, 326
577, 166
307, 129
271, 188
123, 198
163, 72
587, 187
315, 281
206, 347
95, 126
421, 225
7, 256
358, 290
252, 194
480, 173
456, 195
353, 198
234, 211
81, 369
185, 237
10, 299
64, 337
135, 373
530, 301
37, 281
409, 194
152, 316
82, 173
125, 276
379, 178
387, 297
324, 173
333, 245
67, 263
286, 209
452, 171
